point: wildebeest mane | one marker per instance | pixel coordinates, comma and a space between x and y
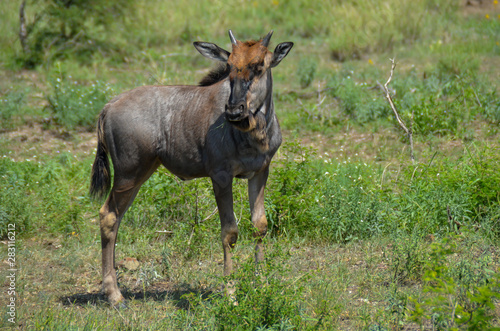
215, 75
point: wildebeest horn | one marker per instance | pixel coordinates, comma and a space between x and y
265, 41
231, 36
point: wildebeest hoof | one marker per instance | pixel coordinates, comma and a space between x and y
121, 305
230, 292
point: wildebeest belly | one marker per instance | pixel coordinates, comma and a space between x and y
184, 166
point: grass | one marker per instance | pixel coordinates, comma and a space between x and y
359, 238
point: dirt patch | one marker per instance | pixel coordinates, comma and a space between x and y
33, 141
481, 8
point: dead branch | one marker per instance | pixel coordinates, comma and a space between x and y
23, 33
393, 107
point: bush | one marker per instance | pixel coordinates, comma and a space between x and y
356, 101
347, 207
77, 105
492, 107
10, 105
461, 294
407, 255
42, 195
343, 201
268, 299
306, 71
60, 28
291, 190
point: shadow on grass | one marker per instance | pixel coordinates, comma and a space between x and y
157, 293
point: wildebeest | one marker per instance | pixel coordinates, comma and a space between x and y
223, 128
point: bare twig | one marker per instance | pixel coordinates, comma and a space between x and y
208, 217
477, 99
393, 107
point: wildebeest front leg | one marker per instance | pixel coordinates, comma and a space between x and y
222, 183
256, 186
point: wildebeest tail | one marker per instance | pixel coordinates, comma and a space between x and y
100, 182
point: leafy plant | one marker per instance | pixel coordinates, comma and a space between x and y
268, 299
407, 257
10, 105
290, 192
77, 105
460, 296
62, 27
347, 208
306, 71
361, 104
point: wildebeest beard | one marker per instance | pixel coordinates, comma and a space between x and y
255, 125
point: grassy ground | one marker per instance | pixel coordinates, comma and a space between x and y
360, 237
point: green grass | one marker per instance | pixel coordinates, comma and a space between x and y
360, 238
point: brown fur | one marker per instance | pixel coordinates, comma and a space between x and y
245, 57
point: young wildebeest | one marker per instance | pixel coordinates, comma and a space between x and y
222, 129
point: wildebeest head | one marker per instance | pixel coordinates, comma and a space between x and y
249, 68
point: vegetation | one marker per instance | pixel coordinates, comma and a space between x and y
359, 236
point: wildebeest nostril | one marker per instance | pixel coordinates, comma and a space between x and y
242, 107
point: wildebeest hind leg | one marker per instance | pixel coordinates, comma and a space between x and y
121, 197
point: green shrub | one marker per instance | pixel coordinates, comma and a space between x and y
57, 29
444, 103
460, 295
492, 107
42, 195
10, 105
265, 300
17, 205
357, 101
291, 190
306, 71
346, 206
5, 220
407, 256
77, 105
328, 200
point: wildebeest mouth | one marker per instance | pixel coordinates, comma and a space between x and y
243, 122
236, 117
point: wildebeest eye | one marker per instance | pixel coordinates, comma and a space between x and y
257, 69
251, 75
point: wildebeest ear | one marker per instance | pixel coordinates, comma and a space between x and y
212, 51
280, 52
